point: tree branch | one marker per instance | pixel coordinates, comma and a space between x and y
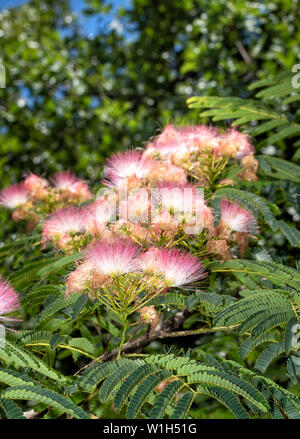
164, 329
145, 339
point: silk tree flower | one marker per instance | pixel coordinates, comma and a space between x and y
166, 172
234, 144
170, 151
99, 214
73, 187
164, 144
176, 144
14, 196
36, 186
84, 278
64, 180
164, 226
114, 258
219, 247
235, 219
250, 165
62, 224
209, 220
135, 206
9, 299
199, 139
149, 315
187, 205
177, 268
127, 168
169, 134
178, 198
138, 233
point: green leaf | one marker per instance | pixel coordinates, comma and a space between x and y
13, 378
132, 381
143, 391
59, 263
13, 354
183, 405
94, 375
12, 410
56, 305
165, 398
47, 397
291, 233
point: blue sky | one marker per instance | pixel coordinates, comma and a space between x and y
88, 24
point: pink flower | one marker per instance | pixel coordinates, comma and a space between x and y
64, 180
14, 196
178, 143
33, 181
234, 144
166, 172
84, 278
79, 279
165, 151
163, 225
124, 166
176, 266
9, 299
237, 219
199, 137
64, 222
135, 206
180, 197
100, 213
114, 258
169, 134
36, 186
67, 181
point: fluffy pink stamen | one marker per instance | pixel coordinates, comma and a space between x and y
65, 222
9, 299
100, 213
34, 181
179, 142
178, 267
235, 144
180, 198
65, 180
124, 165
114, 258
238, 219
78, 279
14, 196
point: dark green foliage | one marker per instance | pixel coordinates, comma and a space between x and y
137, 381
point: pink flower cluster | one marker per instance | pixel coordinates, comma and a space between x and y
152, 195
195, 149
35, 196
107, 260
133, 234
